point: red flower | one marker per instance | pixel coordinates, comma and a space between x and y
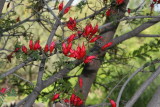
55, 97
75, 100
71, 24
66, 49
37, 45
46, 48
31, 45
24, 49
66, 10
129, 10
106, 45
52, 46
66, 100
87, 30
80, 52
108, 12
113, 103
155, 0
95, 38
95, 29
80, 81
60, 7
119, 2
3, 90
71, 38
89, 59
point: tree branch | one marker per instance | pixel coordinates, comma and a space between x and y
142, 88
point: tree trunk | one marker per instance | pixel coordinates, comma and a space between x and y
155, 101
90, 70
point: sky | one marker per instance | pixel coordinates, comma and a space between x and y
75, 2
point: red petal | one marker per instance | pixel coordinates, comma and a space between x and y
89, 59
31, 45
129, 10
80, 81
60, 7
66, 10
71, 38
113, 103
66, 100
46, 48
106, 45
94, 39
119, 2
52, 46
108, 12
55, 97
24, 49
3, 90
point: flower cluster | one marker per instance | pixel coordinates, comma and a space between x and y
74, 100
33, 47
36, 46
3, 90
60, 7
78, 53
71, 24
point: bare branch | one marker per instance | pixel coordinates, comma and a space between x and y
142, 88
127, 81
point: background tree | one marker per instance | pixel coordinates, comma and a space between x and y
84, 55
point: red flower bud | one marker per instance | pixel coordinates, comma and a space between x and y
71, 24
89, 59
37, 45
66, 10
119, 2
66, 100
3, 90
71, 38
52, 46
46, 48
31, 45
129, 10
95, 38
113, 103
60, 7
106, 45
80, 81
24, 49
108, 12
55, 97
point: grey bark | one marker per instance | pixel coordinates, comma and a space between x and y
155, 101
1, 5
90, 70
138, 93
